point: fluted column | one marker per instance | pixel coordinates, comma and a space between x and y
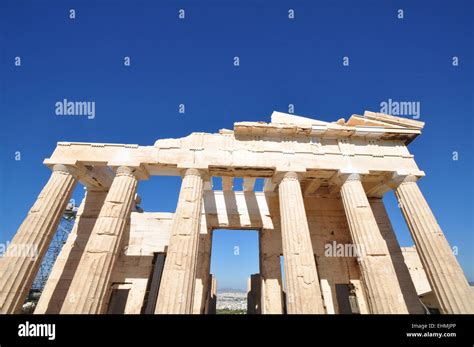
303, 293
382, 289
179, 274
446, 277
89, 287
65, 266
19, 265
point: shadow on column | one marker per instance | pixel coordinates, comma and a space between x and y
403, 275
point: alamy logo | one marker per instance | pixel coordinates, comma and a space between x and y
401, 108
18, 250
75, 108
335, 249
37, 330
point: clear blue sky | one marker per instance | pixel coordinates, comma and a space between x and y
190, 61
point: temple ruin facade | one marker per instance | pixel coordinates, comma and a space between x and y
323, 185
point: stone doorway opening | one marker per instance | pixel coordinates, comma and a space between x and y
235, 266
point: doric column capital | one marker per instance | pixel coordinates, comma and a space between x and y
344, 177
68, 170
93, 177
125, 171
77, 170
290, 175
398, 179
198, 172
63, 168
193, 172
138, 172
287, 175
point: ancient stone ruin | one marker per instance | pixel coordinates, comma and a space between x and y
323, 187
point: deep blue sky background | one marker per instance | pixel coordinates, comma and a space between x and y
191, 61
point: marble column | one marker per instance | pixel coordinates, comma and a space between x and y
65, 266
88, 292
20, 263
446, 277
303, 293
381, 285
179, 274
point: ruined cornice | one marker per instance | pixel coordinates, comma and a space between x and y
369, 126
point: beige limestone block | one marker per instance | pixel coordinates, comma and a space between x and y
20, 263
212, 297
446, 277
203, 267
329, 229
303, 294
254, 294
360, 294
327, 296
270, 271
417, 272
90, 285
383, 291
179, 274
